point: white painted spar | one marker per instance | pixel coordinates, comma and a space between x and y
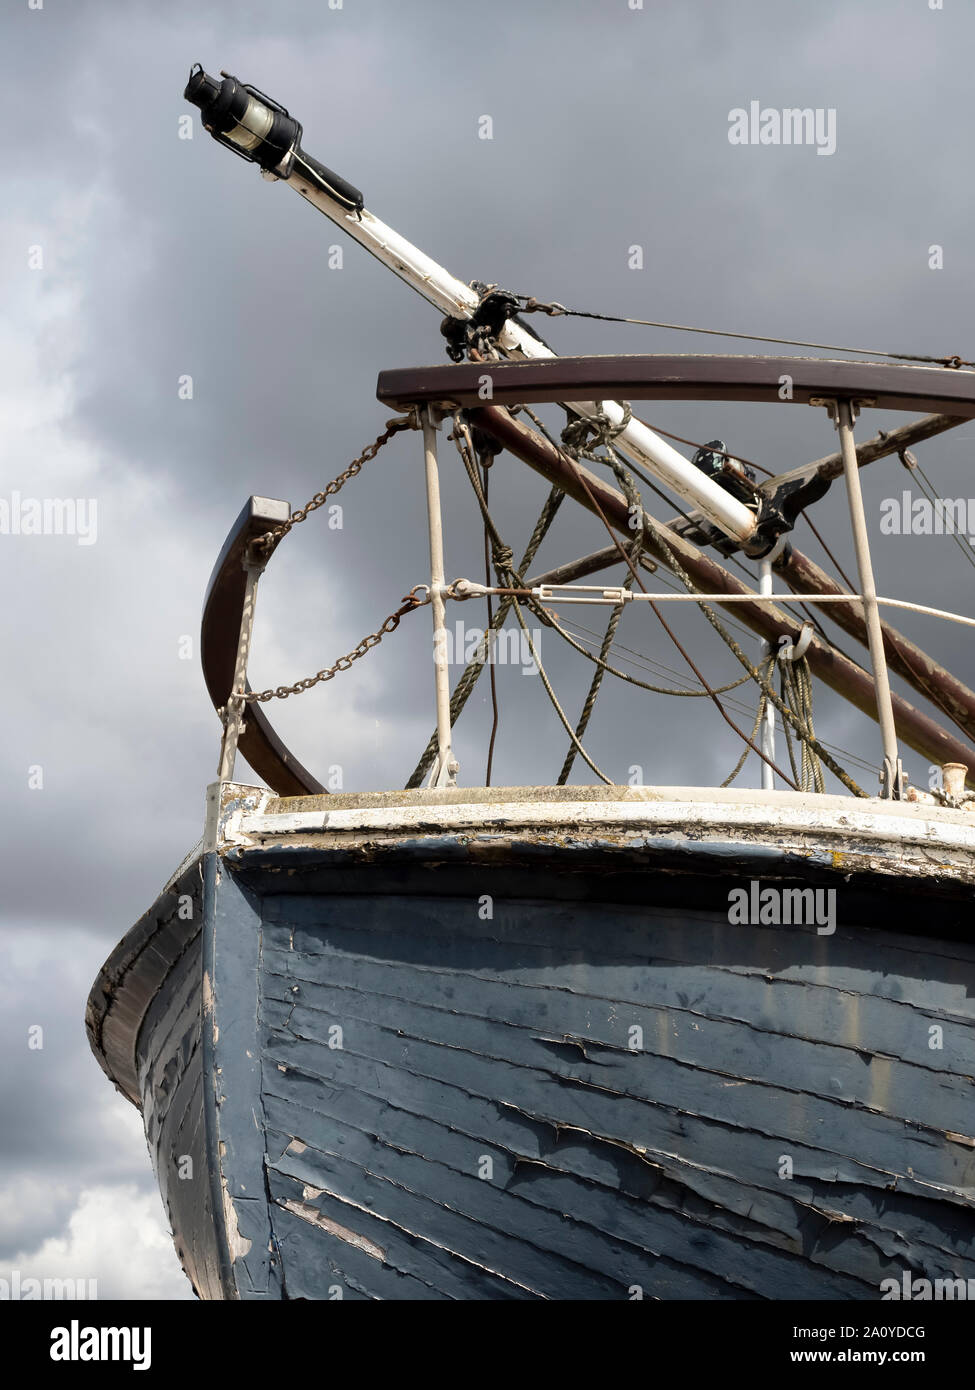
438, 286
451, 296
640, 444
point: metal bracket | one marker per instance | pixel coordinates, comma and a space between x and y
443, 773
436, 412
831, 405
892, 780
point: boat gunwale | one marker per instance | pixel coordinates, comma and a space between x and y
696, 810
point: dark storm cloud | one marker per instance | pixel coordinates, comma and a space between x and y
166, 257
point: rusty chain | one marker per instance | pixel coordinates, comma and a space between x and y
344, 663
270, 538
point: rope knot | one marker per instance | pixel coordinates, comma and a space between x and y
502, 555
599, 427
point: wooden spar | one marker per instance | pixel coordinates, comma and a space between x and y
804, 576
841, 674
585, 565
882, 445
926, 676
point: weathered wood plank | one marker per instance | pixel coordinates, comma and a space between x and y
383, 1099
448, 933
616, 1175
786, 1212
412, 1256
576, 1027
862, 1023
548, 1253
649, 1247
781, 1119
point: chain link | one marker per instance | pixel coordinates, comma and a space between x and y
344, 663
270, 539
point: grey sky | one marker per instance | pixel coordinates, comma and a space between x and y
164, 257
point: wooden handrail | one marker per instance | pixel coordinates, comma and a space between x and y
689, 377
223, 606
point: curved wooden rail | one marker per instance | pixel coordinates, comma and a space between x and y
222, 609
689, 377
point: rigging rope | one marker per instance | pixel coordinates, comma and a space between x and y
797, 689
503, 556
555, 704
794, 705
932, 495
800, 726
605, 432
597, 677
759, 716
486, 461
643, 662
797, 722
474, 667
532, 305
551, 621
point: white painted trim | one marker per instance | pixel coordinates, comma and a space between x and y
720, 818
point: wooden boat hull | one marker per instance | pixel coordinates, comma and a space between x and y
483, 1060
